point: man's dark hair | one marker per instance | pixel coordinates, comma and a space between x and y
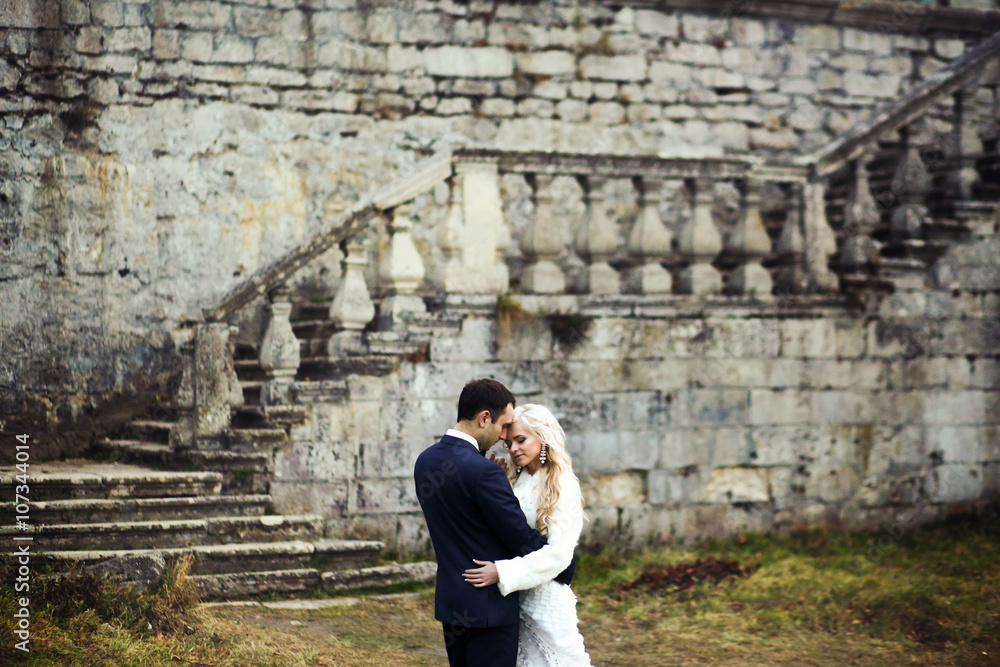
484, 394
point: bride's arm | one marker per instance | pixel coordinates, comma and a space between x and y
539, 566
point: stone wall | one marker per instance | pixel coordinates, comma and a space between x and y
155, 152
691, 417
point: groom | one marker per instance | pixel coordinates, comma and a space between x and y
471, 512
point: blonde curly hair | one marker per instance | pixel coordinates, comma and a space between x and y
542, 424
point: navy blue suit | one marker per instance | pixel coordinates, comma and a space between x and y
471, 512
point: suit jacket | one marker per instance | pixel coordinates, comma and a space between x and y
471, 512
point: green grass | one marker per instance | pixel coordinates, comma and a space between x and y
929, 597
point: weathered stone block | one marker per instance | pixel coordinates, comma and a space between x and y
230, 49
550, 63
737, 485
616, 490
958, 407
958, 444
779, 407
193, 14
328, 499
657, 23
693, 53
955, 483
383, 496
456, 61
110, 14
613, 68
197, 47
166, 44
710, 406
842, 407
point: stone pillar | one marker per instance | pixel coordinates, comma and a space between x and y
700, 243
451, 237
542, 242
859, 251
597, 240
235, 390
649, 241
792, 276
182, 436
204, 397
912, 182
279, 350
750, 241
401, 272
819, 240
352, 308
962, 148
473, 235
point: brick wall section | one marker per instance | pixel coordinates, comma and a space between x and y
742, 417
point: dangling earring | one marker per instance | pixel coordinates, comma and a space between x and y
544, 453
518, 469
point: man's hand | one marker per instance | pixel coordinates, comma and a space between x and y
502, 462
480, 577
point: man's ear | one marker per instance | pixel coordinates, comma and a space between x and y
484, 419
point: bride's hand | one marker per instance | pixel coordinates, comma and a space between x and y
502, 462
480, 577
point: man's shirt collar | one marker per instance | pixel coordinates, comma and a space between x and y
464, 436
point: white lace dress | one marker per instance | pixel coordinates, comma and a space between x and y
549, 636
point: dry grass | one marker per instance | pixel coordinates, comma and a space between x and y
931, 599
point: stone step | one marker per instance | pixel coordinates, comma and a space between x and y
153, 430
177, 533
324, 368
234, 558
321, 390
242, 472
57, 481
372, 577
249, 584
256, 438
104, 510
251, 391
249, 369
268, 416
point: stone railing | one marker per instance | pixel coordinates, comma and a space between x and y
897, 187
631, 255
209, 386
612, 249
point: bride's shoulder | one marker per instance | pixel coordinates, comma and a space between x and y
569, 483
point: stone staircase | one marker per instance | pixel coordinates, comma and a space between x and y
145, 496
87, 512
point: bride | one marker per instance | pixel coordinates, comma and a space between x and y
549, 494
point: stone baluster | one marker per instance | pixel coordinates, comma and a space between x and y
749, 240
792, 275
235, 389
542, 242
962, 149
819, 241
182, 436
649, 241
451, 236
279, 350
859, 252
401, 272
352, 308
596, 240
700, 243
912, 182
